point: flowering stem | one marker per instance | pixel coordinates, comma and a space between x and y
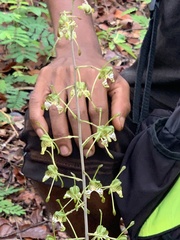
80, 141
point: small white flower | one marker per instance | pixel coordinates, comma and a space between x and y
104, 142
113, 136
105, 83
60, 109
111, 77
47, 105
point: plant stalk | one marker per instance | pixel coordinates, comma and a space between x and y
80, 142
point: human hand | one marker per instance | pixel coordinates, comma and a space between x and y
60, 75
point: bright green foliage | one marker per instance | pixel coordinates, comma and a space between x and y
2, 86
16, 98
24, 31
5, 118
49, 237
146, 1
6, 205
25, 35
113, 38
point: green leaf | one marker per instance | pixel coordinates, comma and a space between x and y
16, 99
2, 86
111, 45
146, 1
4, 118
6, 205
118, 38
27, 78
128, 49
29, 52
142, 20
130, 10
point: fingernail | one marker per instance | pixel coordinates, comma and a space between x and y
64, 151
122, 121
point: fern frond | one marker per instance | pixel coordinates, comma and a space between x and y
6, 205
2, 86
9, 208
16, 99
29, 52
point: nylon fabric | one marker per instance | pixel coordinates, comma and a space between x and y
150, 172
166, 214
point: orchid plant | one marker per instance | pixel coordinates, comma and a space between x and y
104, 134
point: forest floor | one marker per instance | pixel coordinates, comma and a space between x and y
36, 223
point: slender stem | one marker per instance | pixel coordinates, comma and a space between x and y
94, 84
10, 122
80, 140
100, 116
52, 156
72, 228
67, 107
50, 190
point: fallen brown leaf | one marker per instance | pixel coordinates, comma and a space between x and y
5, 227
35, 232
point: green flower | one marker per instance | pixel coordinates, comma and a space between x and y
73, 193
53, 99
51, 172
67, 26
101, 233
106, 73
47, 141
60, 217
81, 90
95, 186
86, 8
116, 187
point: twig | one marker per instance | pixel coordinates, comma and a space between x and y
10, 122
21, 231
19, 234
25, 88
8, 140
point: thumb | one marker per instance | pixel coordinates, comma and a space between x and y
120, 102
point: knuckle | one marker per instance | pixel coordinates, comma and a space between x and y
60, 134
44, 71
82, 112
53, 109
103, 108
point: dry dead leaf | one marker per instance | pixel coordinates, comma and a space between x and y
36, 216
26, 196
19, 176
34, 232
5, 227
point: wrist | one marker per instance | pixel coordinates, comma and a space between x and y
89, 47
